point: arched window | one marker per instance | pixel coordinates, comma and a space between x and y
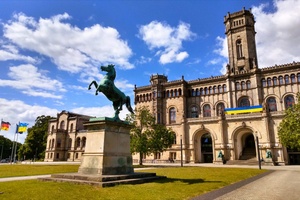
62, 125
83, 142
220, 108
172, 114
286, 79
215, 90
176, 93
269, 82
289, 101
274, 81
201, 91
211, 90
205, 90
71, 127
224, 88
280, 79
193, 93
248, 84
52, 129
78, 142
263, 82
239, 49
197, 92
154, 94
243, 84
206, 110
244, 101
220, 89
168, 93
272, 106
179, 91
237, 86
194, 112
174, 141
52, 144
172, 94
298, 78
293, 78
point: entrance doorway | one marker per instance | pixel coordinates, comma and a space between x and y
206, 148
249, 147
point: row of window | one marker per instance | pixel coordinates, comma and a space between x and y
208, 90
62, 127
243, 102
243, 85
79, 143
287, 79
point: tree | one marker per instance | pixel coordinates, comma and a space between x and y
36, 140
289, 128
146, 136
6, 147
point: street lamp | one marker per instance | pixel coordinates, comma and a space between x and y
181, 161
258, 153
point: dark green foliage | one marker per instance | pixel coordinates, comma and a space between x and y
35, 143
289, 128
147, 136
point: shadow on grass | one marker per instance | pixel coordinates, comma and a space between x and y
187, 181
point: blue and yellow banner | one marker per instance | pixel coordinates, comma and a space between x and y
246, 109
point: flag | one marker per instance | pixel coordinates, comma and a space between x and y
22, 127
5, 125
246, 109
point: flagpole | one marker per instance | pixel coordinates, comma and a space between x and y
16, 146
13, 146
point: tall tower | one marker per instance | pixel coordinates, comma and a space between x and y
240, 34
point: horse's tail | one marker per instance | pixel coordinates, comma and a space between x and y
128, 105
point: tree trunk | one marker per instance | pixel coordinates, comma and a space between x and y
141, 159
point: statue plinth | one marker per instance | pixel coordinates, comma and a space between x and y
107, 150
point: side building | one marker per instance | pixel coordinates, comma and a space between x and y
66, 137
226, 114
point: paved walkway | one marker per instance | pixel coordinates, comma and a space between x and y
280, 183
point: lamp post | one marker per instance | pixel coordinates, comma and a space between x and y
258, 153
181, 158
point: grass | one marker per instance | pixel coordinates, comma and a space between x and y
182, 183
31, 170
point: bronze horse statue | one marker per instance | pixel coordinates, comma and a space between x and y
108, 88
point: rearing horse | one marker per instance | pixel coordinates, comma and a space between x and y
108, 88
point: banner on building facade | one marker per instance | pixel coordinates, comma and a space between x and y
246, 109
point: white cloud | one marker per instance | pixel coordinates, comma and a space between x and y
16, 111
277, 35
11, 52
69, 47
32, 82
167, 40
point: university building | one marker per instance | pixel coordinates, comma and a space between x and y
223, 116
226, 114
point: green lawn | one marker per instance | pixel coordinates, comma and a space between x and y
182, 183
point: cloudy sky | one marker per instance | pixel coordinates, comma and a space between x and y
51, 50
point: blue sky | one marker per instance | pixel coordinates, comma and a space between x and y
51, 50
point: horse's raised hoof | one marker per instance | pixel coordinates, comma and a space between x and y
96, 93
89, 88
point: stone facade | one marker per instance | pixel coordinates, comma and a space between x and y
66, 137
195, 109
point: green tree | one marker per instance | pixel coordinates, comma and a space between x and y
146, 136
36, 140
289, 128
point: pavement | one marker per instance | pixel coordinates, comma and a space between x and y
279, 183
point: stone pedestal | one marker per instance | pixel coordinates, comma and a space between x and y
107, 150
